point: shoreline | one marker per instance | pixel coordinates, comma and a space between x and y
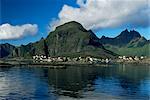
28, 62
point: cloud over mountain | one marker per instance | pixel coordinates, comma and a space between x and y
97, 14
8, 31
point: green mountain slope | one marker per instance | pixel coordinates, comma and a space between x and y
138, 42
127, 43
27, 51
69, 39
134, 51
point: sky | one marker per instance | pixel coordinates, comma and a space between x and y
25, 21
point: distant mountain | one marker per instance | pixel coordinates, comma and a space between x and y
127, 43
122, 39
6, 49
69, 39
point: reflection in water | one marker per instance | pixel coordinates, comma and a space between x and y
72, 80
110, 82
115, 80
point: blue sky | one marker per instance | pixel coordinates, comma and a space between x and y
44, 13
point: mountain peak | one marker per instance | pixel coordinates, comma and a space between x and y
126, 30
71, 24
132, 34
103, 37
123, 33
135, 33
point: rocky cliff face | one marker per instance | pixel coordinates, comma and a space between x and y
6, 50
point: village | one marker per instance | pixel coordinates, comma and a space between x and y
88, 59
130, 58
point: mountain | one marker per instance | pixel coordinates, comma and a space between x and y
129, 43
6, 49
69, 39
122, 39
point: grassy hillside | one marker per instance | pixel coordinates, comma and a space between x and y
128, 51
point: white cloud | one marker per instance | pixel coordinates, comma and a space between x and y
8, 31
97, 14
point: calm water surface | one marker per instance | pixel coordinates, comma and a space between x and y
115, 82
